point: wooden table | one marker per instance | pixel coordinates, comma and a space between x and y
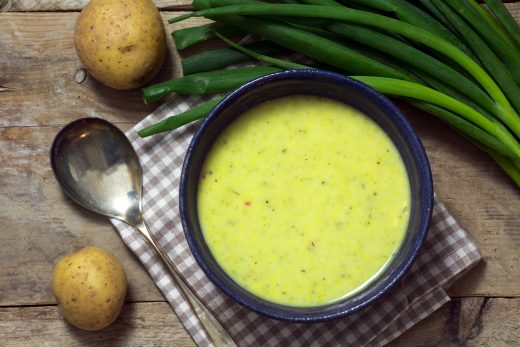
41, 90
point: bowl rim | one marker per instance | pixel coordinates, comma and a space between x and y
420, 158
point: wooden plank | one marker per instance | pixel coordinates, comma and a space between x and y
468, 322
462, 322
38, 68
140, 324
76, 5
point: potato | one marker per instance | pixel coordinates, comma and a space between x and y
90, 287
121, 43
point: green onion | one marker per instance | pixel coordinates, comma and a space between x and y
422, 93
321, 2
205, 82
486, 55
505, 111
316, 47
203, 4
416, 91
465, 127
383, 85
174, 122
416, 58
433, 101
488, 34
451, 58
394, 44
434, 83
290, 65
498, 27
429, 5
412, 57
284, 64
188, 37
220, 58
360, 17
509, 23
411, 14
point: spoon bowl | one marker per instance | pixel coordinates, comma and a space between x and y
96, 165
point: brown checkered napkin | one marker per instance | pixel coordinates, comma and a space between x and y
447, 253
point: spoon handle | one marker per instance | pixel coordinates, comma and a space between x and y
215, 331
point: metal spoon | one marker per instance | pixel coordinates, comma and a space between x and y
98, 168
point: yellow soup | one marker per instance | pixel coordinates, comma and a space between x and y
303, 200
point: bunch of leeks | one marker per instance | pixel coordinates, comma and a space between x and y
452, 58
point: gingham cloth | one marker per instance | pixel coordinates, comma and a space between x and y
447, 253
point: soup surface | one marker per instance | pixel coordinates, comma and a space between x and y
303, 200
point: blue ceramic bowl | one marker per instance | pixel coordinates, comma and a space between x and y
350, 92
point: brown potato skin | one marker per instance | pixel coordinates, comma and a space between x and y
121, 43
90, 287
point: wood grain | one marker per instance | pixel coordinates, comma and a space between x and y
76, 5
38, 69
140, 324
492, 322
468, 322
